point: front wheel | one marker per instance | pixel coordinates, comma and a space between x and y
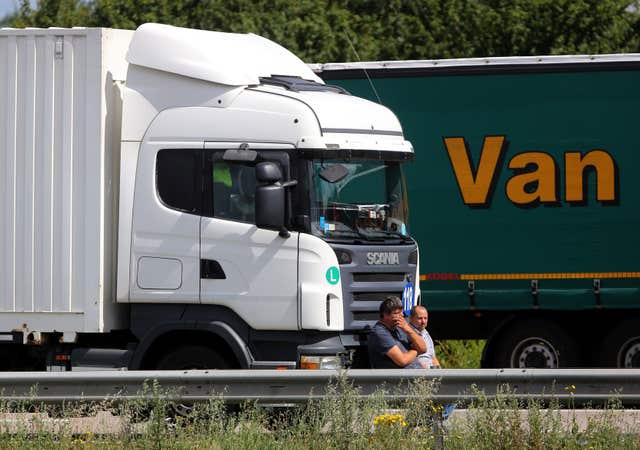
535, 344
187, 357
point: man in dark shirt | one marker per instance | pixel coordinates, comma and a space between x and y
393, 343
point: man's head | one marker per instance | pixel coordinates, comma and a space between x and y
419, 317
390, 311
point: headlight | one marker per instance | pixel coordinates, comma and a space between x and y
320, 362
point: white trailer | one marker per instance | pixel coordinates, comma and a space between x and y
180, 198
60, 92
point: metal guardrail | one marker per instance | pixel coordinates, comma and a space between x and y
578, 386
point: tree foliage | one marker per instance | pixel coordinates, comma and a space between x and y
347, 30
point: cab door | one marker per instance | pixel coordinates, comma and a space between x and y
165, 245
252, 271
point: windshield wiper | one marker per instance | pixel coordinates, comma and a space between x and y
355, 235
395, 235
359, 236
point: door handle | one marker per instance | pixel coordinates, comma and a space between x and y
211, 270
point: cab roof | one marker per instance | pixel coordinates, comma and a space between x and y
226, 58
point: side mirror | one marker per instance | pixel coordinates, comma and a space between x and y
268, 172
270, 197
269, 207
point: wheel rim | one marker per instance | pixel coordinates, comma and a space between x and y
535, 352
629, 355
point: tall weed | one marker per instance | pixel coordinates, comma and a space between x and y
342, 419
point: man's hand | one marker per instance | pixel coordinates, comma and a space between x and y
403, 325
417, 342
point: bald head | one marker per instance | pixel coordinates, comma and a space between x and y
419, 317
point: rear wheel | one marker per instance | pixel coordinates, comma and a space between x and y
192, 357
621, 348
535, 344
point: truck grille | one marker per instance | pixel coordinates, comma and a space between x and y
377, 277
365, 286
372, 296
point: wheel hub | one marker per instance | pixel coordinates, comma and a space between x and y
535, 352
631, 355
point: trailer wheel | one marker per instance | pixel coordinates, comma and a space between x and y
621, 348
192, 357
535, 344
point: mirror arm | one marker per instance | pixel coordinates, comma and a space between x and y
284, 233
288, 184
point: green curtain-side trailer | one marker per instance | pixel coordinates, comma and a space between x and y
524, 199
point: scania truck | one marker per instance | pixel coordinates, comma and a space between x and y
174, 198
524, 200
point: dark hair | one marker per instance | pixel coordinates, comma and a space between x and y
414, 310
390, 304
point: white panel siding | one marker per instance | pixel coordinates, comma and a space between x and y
44, 174
24, 170
81, 183
93, 169
8, 103
53, 199
62, 178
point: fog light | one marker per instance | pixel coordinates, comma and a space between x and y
320, 362
344, 257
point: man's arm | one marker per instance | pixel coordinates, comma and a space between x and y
434, 361
417, 342
401, 358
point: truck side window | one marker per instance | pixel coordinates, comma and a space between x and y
234, 187
178, 173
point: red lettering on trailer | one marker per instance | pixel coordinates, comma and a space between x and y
441, 276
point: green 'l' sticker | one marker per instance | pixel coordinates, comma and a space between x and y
333, 275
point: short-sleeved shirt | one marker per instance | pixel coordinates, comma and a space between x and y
381, 340
426, 358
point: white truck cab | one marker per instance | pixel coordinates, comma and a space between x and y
262, 214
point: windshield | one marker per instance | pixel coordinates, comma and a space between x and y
362, 200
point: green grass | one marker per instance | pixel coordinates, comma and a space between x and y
341, 420
460, 354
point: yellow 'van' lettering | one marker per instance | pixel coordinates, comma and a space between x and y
475, 189
542, 180
536, 175
575, 166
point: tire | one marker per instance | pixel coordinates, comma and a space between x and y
621, 348
535, 344
192, 357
